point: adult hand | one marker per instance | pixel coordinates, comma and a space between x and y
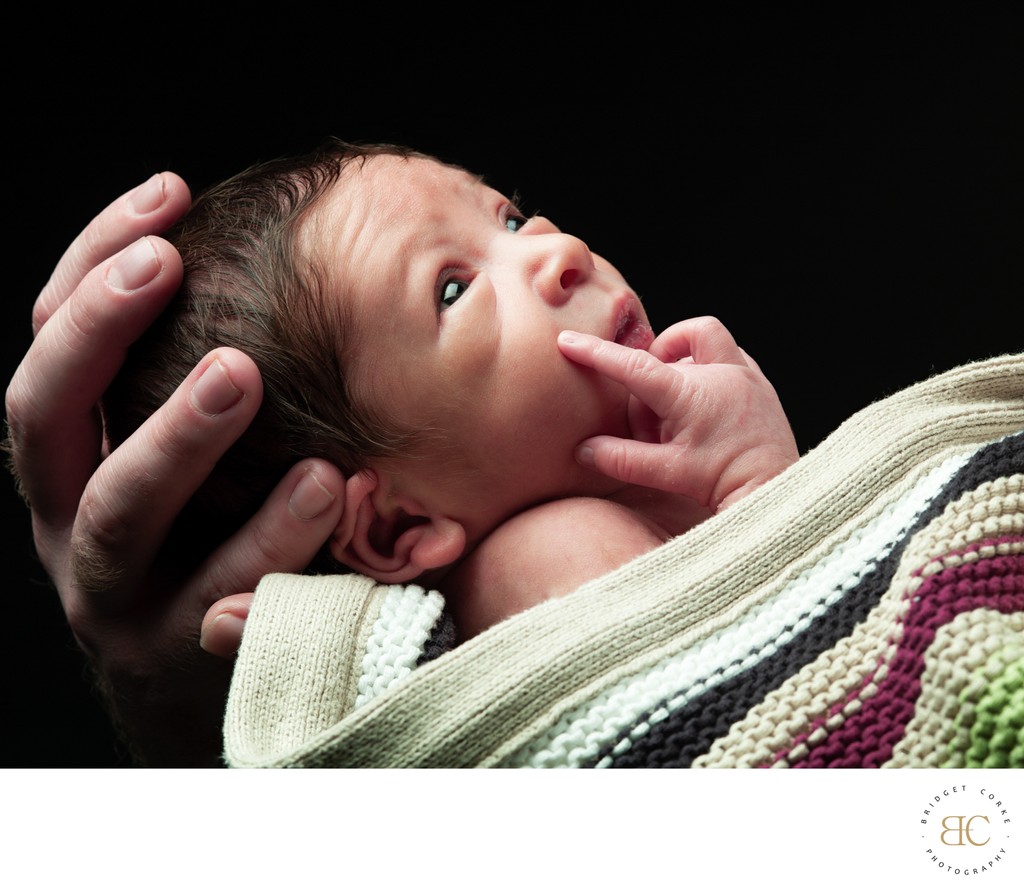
99, 520
704, 420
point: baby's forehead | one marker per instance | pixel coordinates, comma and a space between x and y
396, 184
393, 193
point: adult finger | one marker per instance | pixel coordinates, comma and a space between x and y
134, 496
221, 633
659, 387
283, 537
51, 400
705, 339
148, 209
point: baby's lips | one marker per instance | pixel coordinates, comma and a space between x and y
633, 333
631, 327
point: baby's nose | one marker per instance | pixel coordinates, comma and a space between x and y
566, 264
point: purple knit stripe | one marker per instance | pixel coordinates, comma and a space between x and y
930, 611
867, 737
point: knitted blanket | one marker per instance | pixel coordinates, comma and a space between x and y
863, 609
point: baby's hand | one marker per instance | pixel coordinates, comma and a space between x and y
705, 421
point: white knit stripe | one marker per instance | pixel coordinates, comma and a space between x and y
407, 618
580, 735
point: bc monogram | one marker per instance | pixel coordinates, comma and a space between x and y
963, 829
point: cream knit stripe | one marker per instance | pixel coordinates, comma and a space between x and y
580, 735
295, 672
407, 617
934, 736
807, 707
491, 696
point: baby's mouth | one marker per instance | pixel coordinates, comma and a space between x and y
632, 332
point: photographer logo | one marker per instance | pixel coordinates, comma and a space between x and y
966, 830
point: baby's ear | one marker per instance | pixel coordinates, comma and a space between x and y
390, 538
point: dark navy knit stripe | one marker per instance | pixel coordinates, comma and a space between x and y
442, 638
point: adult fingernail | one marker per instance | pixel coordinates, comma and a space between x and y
148, 196
310, 498
214, 392
220, 635
136, 266
585, 455
568, 337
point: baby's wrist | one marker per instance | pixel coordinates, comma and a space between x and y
747, 474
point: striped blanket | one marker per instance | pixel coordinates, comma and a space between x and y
864, 609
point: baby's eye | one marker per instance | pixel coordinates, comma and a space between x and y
515, 221
451, 291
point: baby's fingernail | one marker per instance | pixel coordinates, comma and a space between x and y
136, 266
148, 196
214, 392
585, 455
309, 498
568, 337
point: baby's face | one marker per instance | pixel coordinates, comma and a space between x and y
455, 303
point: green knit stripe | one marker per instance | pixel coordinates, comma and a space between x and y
997, 733
961, 648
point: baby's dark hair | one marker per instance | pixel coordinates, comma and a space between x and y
247, 285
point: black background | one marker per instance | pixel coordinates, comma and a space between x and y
846, 199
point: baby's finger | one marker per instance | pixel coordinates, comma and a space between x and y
148, 209
283, 537
637, 463
223, 624
659, 387
705, 339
